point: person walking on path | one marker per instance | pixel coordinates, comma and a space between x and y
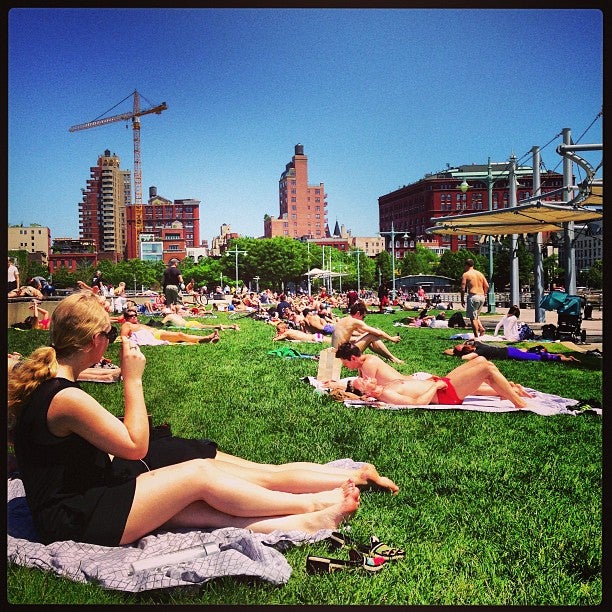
476, 286
172, 282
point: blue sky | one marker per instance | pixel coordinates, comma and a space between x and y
378, 98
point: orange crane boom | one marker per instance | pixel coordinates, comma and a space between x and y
134, 116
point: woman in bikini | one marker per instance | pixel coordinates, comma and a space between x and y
380, 380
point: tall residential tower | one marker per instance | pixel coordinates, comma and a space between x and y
102, 210
303, 207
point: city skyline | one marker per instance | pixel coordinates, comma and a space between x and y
378, 98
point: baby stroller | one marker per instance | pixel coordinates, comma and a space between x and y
569, 315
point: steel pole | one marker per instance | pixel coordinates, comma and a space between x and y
492, 308
514, 267
538, 269
569, 247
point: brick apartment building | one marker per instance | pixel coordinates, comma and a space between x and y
412, 208
303, 207
175, 223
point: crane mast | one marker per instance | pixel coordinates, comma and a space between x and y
134, 116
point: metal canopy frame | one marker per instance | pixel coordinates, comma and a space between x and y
526, 219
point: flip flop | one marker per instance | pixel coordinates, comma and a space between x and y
376, 548
357, 560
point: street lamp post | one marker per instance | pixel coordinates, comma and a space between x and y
308, 268
236, 253
357, 252
393, 233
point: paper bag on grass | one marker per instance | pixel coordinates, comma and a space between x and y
329, 365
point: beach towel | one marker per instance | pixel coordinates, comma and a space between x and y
544, 404
288, 352
232, 552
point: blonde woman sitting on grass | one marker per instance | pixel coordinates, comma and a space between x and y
64, 440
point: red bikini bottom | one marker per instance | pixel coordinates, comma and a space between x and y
448, 395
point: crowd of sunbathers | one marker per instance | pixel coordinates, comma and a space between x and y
218, 490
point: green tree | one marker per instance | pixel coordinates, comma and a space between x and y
383, 265
452, 263
501, 264
595, 275
420, 261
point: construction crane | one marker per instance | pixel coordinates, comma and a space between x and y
134, 116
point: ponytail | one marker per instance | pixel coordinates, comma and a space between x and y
26, 376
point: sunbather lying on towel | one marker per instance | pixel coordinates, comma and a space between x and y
381, 381
284, 332
100, 372
473, 348
176, 320
63, 440
146, 335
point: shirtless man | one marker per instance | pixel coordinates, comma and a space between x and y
476, 285
284, 332
380, 380
313, 322
353, 328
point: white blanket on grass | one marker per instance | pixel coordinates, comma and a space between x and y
242, 552
544, 404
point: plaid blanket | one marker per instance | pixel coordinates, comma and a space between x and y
240, 552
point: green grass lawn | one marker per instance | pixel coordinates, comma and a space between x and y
493, 509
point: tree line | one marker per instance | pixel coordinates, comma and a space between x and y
281, 262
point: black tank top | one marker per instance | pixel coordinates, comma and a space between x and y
57, 472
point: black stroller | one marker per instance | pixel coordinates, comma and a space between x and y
569, 315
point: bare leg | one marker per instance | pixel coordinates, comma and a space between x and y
183, 337
304, 477
486, 389
378, 346
163, 494
468, 377
330, 518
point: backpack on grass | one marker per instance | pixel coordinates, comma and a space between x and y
549, 332
525, 332
457, 320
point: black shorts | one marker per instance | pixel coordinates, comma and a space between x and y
107, 522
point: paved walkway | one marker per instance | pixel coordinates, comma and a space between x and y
592, 326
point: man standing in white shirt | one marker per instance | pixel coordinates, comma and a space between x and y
13, 275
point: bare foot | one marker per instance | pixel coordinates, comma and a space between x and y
333, 516
396, 360
325, 499
519, 403
520, 390
368, 475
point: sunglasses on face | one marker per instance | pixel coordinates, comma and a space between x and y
111, 334
131, 314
